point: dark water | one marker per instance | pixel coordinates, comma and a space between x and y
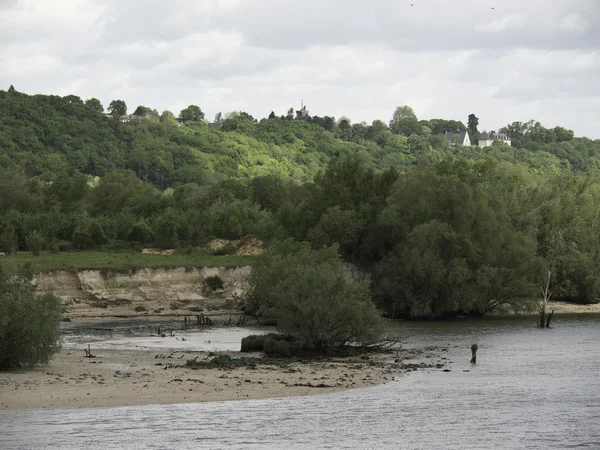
530, 389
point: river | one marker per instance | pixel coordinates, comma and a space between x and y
530, 389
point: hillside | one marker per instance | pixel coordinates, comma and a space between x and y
443, 228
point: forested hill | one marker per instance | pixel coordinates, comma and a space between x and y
46, 135
445, 229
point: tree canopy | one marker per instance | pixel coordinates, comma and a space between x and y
398, 201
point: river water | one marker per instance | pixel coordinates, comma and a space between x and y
530, 389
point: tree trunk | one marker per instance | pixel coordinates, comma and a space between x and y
549, 319
542, 317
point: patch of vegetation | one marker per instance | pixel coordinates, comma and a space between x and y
311, 298
256, 342
213, 283
140, 308
195, 309
109, 260
28, 321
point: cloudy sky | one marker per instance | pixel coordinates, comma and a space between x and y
524, 59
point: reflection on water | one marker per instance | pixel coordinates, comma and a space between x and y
530, 389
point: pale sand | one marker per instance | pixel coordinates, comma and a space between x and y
572, 308
125, 377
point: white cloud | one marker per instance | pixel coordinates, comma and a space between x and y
537, 59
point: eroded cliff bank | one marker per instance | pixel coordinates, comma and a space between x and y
149, 291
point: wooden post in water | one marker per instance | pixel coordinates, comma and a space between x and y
474, 354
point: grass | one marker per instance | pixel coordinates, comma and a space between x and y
124, 260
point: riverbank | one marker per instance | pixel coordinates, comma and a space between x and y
131, 377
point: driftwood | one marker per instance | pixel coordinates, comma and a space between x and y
474, 354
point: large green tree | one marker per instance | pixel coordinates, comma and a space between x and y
311, 298
95, 104
192, 113
454, 248
117, 108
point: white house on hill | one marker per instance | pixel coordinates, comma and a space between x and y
458, 137
487, 139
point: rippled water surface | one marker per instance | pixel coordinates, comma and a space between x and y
530, 389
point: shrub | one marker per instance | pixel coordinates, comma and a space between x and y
9, 242
271, 344
308, 294
140, 308
213, 283
280, 347
28, 322
141, 232
35, 242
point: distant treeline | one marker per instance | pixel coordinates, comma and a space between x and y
445, 229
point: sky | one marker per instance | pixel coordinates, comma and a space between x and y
503, 60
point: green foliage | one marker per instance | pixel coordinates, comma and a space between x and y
213, 283
141, 232
35, 242
256, 342
140, 308
119, 260
28, 322
192, 113
311, 298
454, 248
83, 180
94, 104
117, 108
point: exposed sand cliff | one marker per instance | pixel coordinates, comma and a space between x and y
158, 290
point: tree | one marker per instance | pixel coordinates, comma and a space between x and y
192, 113
272, 115
308, 294
28, 322
9, 241
117, 109
35, 242
218, 117
404, 121
455, 248
472, 124
95, 104
144, 111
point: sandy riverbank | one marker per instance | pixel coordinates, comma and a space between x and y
125, 377
573, 308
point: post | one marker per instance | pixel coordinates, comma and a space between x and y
549, 319
474, 354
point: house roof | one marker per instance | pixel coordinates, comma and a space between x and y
450, 134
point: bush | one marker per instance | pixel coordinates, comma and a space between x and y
213, 283
141, 232
256, 342
28, 322
35, 242
308, 294
140, 308
281, 347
